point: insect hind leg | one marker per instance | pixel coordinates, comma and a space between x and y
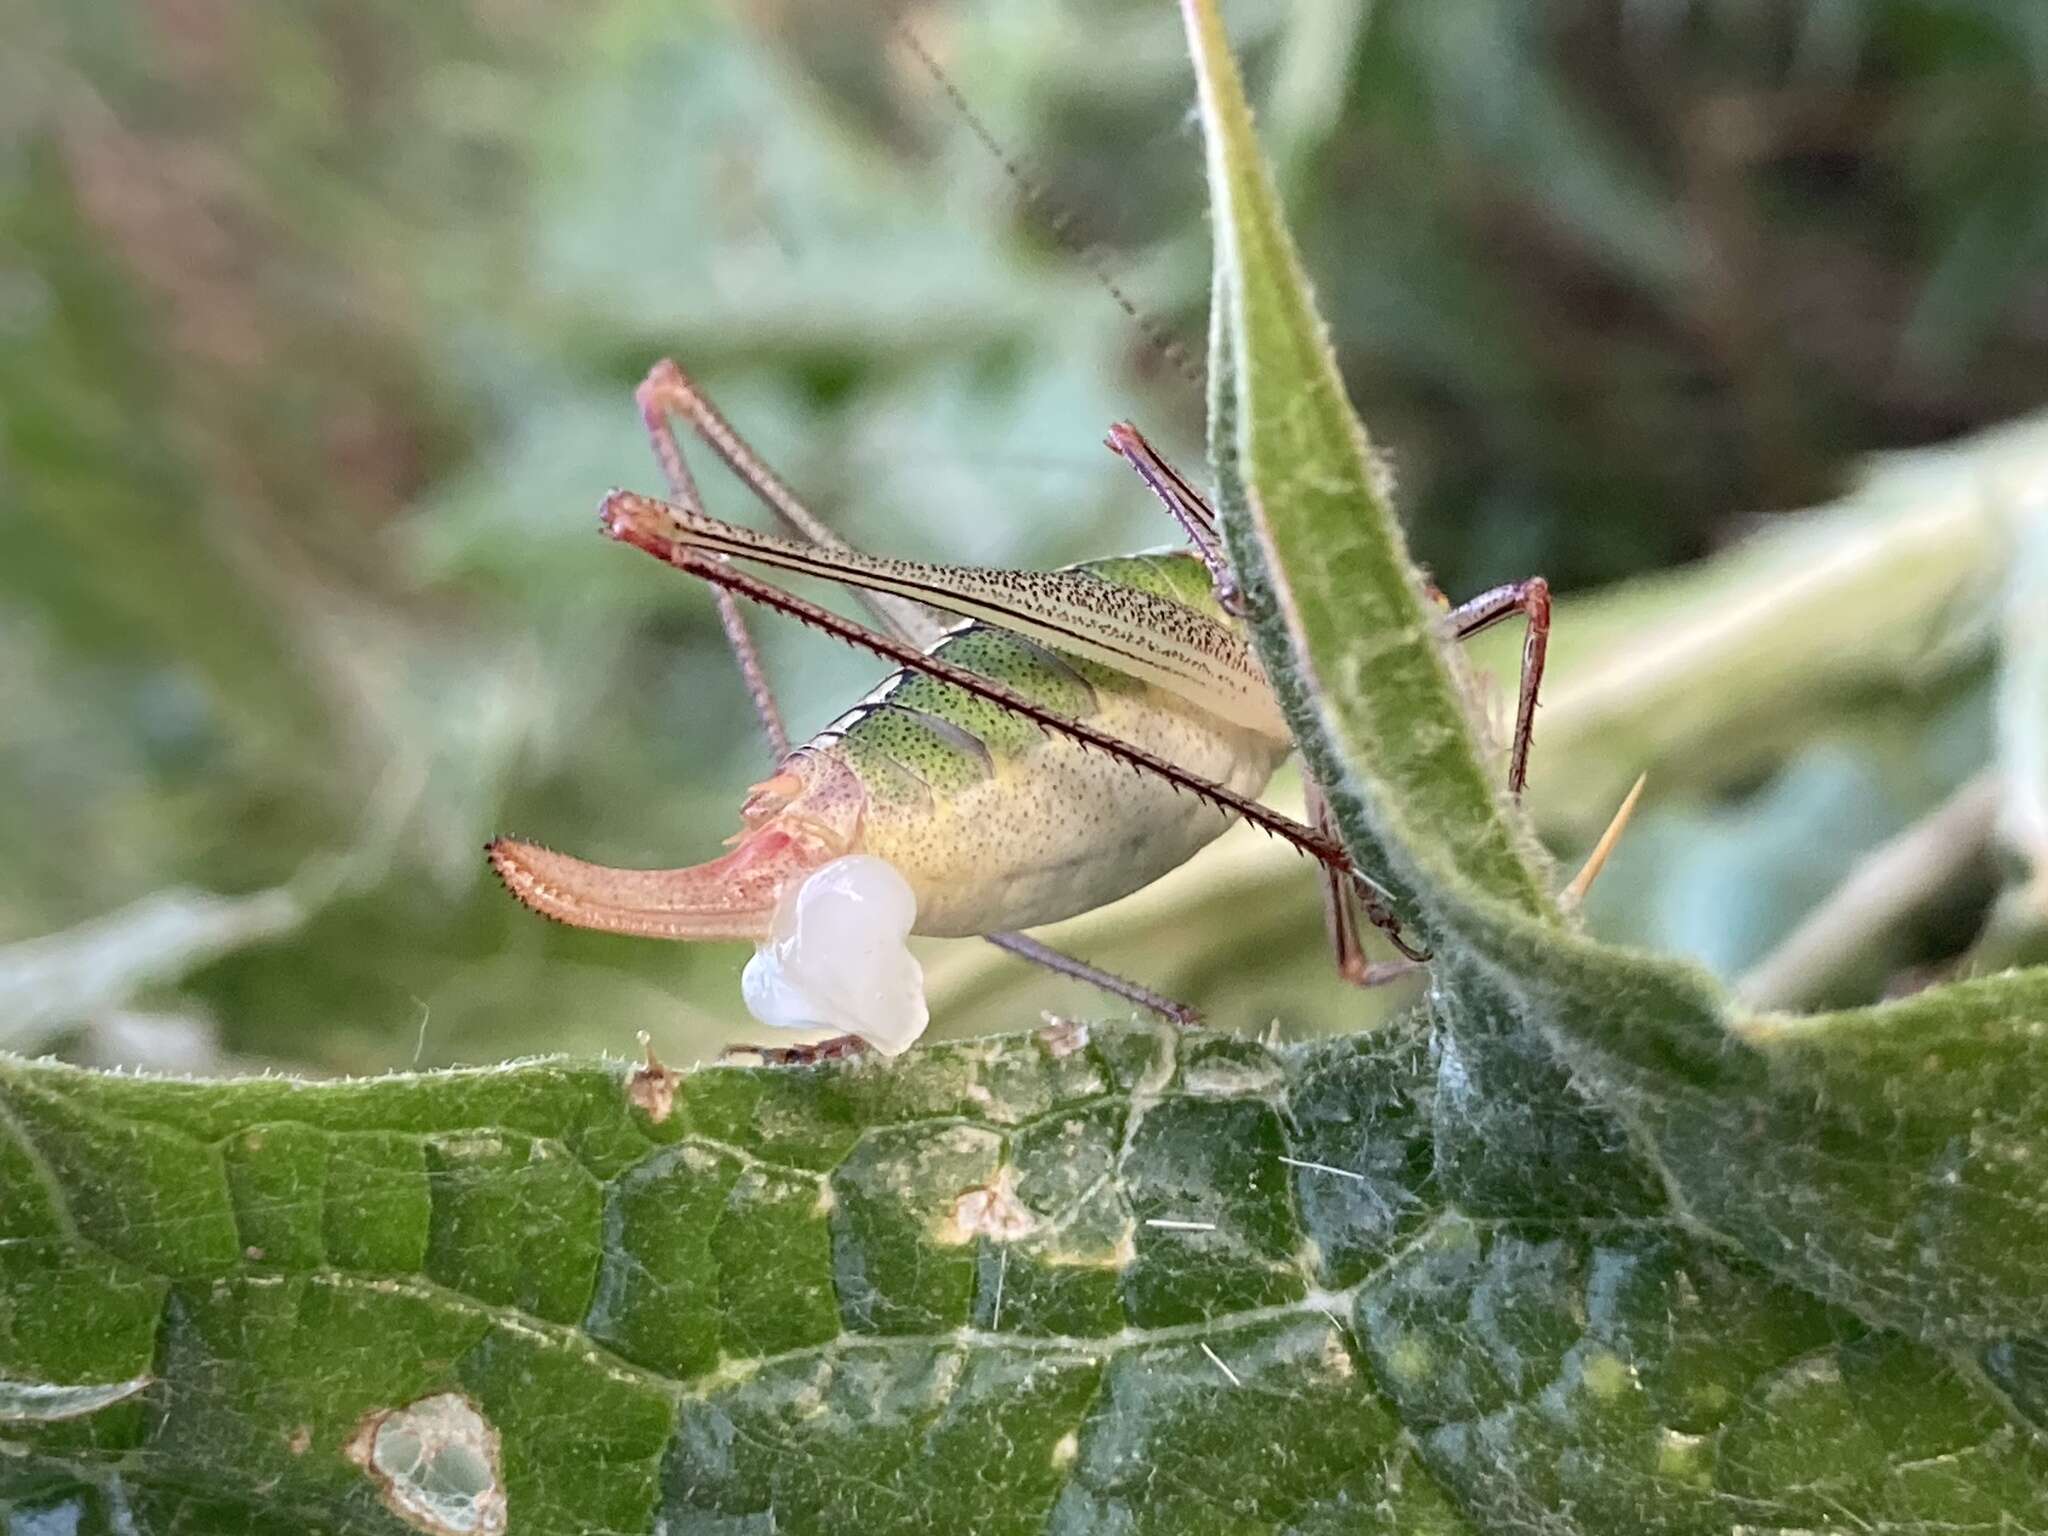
1345, 900
1531, 599
1341, 916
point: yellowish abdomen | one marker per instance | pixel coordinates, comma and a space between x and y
998, 823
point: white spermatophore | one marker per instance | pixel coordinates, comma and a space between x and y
838, 958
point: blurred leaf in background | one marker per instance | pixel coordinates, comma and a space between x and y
318, 330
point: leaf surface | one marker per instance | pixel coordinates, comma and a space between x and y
1049, 1283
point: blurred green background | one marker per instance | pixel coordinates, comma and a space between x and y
319, 324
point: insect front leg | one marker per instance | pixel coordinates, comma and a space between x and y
1342, 899
1186, 506
1531, 598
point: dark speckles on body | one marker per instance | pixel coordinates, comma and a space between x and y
984, 812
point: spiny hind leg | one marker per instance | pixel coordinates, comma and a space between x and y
667, 393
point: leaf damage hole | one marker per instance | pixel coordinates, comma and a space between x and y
991, 1210
436, 1465
1063, 1037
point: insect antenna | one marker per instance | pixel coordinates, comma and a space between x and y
1057, 220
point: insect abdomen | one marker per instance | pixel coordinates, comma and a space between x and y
998, 823
915, 737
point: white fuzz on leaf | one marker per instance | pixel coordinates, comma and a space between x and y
838, 958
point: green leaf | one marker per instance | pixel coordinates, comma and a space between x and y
1068, 1281
1876, 1158
1338, 609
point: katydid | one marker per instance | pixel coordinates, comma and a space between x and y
1072, 736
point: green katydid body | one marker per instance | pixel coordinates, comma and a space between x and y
997, 816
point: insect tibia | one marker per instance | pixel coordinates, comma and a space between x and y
1185, 505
